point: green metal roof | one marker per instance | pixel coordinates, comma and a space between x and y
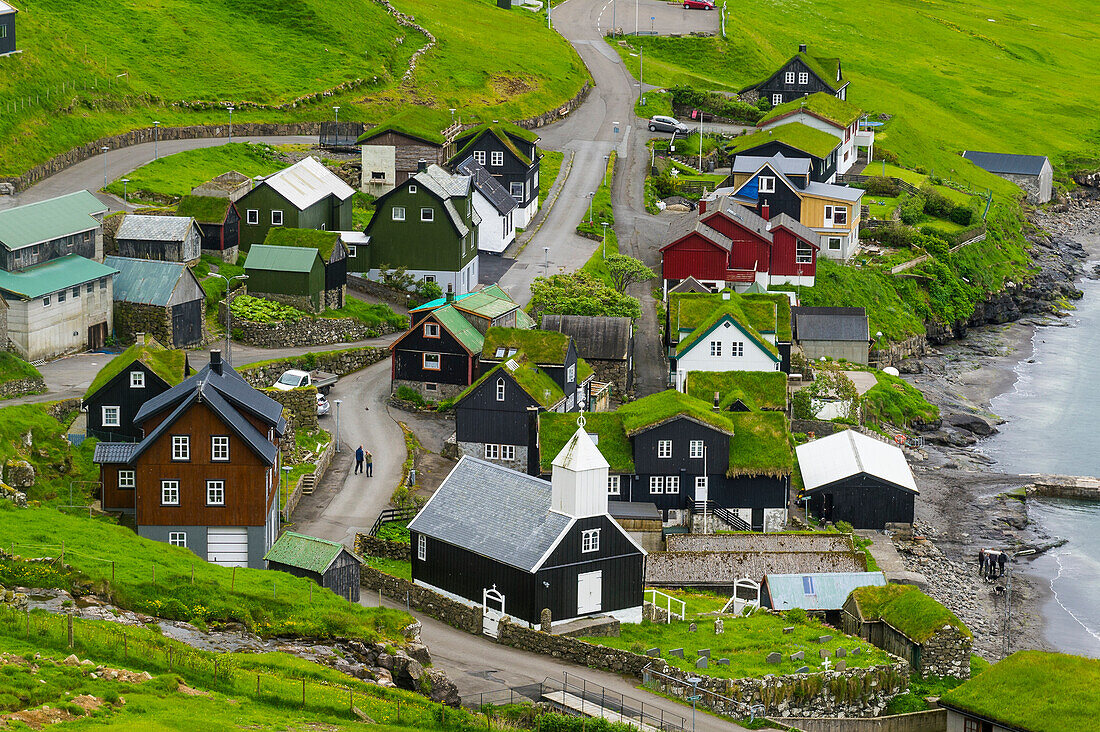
457, 325
305, 552
145, 281
46, 220
280, 259
487, 303
817, 591
54, 275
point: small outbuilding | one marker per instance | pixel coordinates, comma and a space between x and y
289, 275
163, 299
165, 238
829, 332
605, 343
851, 477
330, 249
820, 592
1033, 173
218, 221
7, 29
327, 563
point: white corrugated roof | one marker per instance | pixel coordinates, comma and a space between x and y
354, 237
307, 182
844, 454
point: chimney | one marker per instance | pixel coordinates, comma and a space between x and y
578, 480
216, 361
716, 402
141, 339
421, 165
702, 206
765, 211
802, 48
450, 293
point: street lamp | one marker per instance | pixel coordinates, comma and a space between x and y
694, 681
700, 141
231, 108
546, 259
228, 310
652, 19
337, 402
337, 110
124, 182
591, 195
156, 137
286, 487
104, 149
603, 245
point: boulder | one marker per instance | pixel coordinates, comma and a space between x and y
972, 423
419, 652
19, 474
443, 690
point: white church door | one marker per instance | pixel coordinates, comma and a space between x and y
589, 592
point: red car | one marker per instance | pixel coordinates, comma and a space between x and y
698, 5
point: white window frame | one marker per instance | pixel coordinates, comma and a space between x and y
492, 451
715, 349
178, 538
496, 159
276, 217
215, 493
181, 447
427, 214
672, 484
803, 78
252, 216
803, 252
479, 157
501, 388
835, 244
737, 349
701, 481
46, 301
571, 373
137, 379
169, 488
590, 541
112, 416
398, 213
507, 452
422, 547
438, 362
695, 449
842, 218
767, 184
127, 479
412, 188
518, 195
614, 485
219, 448
656, 484
351, 251
788, 78
431, 330
777, 99
664, 449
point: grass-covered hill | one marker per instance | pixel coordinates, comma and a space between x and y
105, 66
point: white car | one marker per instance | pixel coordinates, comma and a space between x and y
323, 406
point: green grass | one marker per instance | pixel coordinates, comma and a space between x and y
13, 368
58, 467
395, 531
541, 346
656, 102
809, 139
913, 700
392, 567
825, 105
760, 445
896, 401
757, 389
746, 642
372, 314
908, 609
765, 313
362, 210
600, 208
555, 429
325, 242
696, 602
168, 364
882, 207
173, 176
549, 167
889, 170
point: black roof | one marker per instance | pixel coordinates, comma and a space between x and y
488, 186
598, 337
829, 324
631, 510
1007, 163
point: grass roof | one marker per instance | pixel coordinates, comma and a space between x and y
908, 609
165, 363
204, 209
763, 312
724, 311
799, 136
556, 428
323, 241
583, 370
425, 123
826, 68
835, 110
760, 445
533, 380
657, 408
540, 346
504, 127
757, 389
498, 130
1033, 690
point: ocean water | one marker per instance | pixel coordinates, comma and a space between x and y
1054, 427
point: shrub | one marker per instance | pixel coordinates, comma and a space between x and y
801, 406
894, 235
844, 527
715, 103
408, 394
882, 186
962, 214
764, 104
259, 310
797, 615
912, 210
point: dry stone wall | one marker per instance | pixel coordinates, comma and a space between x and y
132, 318
305, 332
812, 542
340, 363
371, 546
933, 720
21, 387
419, 598
300, 403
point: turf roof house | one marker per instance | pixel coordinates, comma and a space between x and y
517, 545
511, 155
300, 267
828, 114
740, 391
307, 195
795, 140
162, 299
440, 355
1033, 173
143, 371
802, 74
605, 343
730, 246
494, 206
690, 460
427, 225
7, 29
218, 221
851, 477
392, 151
524, 372
832, 332
327, 563
164, 238
206, 473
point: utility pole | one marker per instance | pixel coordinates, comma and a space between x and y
104, 149
156, 137
231, 108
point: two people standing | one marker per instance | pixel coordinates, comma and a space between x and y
364, 458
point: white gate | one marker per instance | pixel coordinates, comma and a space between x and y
746, 593
492, 610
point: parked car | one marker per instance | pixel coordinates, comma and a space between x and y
323, 406
661, 123
295, 379
698, 5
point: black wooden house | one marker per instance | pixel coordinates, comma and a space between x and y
327, 563
218, 220
801, 75
517, 545
7, 28
511, 155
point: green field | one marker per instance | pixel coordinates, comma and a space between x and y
172, 176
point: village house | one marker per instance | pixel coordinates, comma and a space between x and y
605, 343
205, 474
739, 391
827, 113
1033, 173
328, 563
218, 221
494, 207
521, 546
795, 140
511, 155
162, 299
7, 29
801, 75
39, 232
304, 268
307, 195
392, 150
143, 371
165, 238
832, 332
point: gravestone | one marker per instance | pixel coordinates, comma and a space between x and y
788, 631
692, 628
800, 656
803, 670
823, 653
723, 662
857, 651
704, 652
841, 665
546, 620
701, 663
678, 652
654, 653
719, 626
841, 652
824, 639
775, 657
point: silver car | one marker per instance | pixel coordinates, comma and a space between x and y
323, 406
661, 123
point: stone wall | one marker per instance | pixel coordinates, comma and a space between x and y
21, 387
1065, 486
300, 404
132, 318
811, 542
719, 570
19, 498
305, 332
895, 353
340, 363
60, 408
377, 289
419, 598
575, 651
613, 372
371, 546
556, 114
442, 391
477, 450
933, 720
947, 653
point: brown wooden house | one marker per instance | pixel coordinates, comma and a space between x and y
206, 473
393, 150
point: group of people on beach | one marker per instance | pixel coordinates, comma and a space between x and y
991, 563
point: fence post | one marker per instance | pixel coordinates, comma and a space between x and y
192, 573
112, 573
70, 624
303, 693
233, 581
257, 685
154, 574
63, 552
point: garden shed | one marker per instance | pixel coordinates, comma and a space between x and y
832, 332
819, 592
1033, 173
291, 275
163, 299
332, 251
327, 563
167, 238
218, 221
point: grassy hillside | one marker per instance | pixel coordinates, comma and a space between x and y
106, 66
172, 176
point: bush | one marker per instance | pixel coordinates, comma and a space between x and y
801, 406
882, 186
764, 104
894, 235
408, 394
844, 527
719, 104
797, 615
935, 203
259, 310
912, 210
962, 214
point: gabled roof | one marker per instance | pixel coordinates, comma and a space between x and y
458, 326
655, 409
826, 69
44, 221
800, 230
6, 9
770, 168
421, 123
169, 365
146, 281
797, 135
305, 552
54, 275
824, 106
732, 314
490, 302
155, 228
307, 182
488, 186
780, 162
766, 313
690, 285
756, 389
504, 132
527, 376
546, 347
817, 591
507, 518
204, 209
1007, 163
827, 460
555, 429
323, 242
747, 218
830, 324
280, 259
688, 225
445, 187
597, 337
579, 454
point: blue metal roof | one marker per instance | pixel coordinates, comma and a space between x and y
820, 591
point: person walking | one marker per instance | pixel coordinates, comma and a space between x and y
981, 562
358, 460
370, 464
1001, 559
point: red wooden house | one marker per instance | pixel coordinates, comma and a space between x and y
730, 246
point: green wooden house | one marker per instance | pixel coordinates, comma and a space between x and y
429, 226
291, 275
307, 195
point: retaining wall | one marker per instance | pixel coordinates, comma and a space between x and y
430, 603
301, 403
372, 546
304, 332
815, 542
933, 720
21, 387
340, 363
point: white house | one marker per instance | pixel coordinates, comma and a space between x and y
827, 113
722, 343
494, 205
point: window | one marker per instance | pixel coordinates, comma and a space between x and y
170, 493
111, 416
429, 278
76, 291
89, 287
767, 184
672, 484
500, 390
834, 243
807, 585
431, 361
351, 251
803, 77
276, 218
377, 175
215, 493
103, 284
252, 216
571, 373
492, 452
590, 540
701, 482
777, 99
840, 215
737, 349
516, 189
421, 547
137, 379
789, 77
219, 448
427, 214
412, 188
664, 448
479, 157
181, 447
61, 296
398, 213
716, 348
656, 484
695, 449
507, 452
428, 386
614, 488
497, 158
127, 479
803, 253
46, 301
177, 538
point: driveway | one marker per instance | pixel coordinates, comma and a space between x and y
656, 17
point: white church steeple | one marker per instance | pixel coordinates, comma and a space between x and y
579, 477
